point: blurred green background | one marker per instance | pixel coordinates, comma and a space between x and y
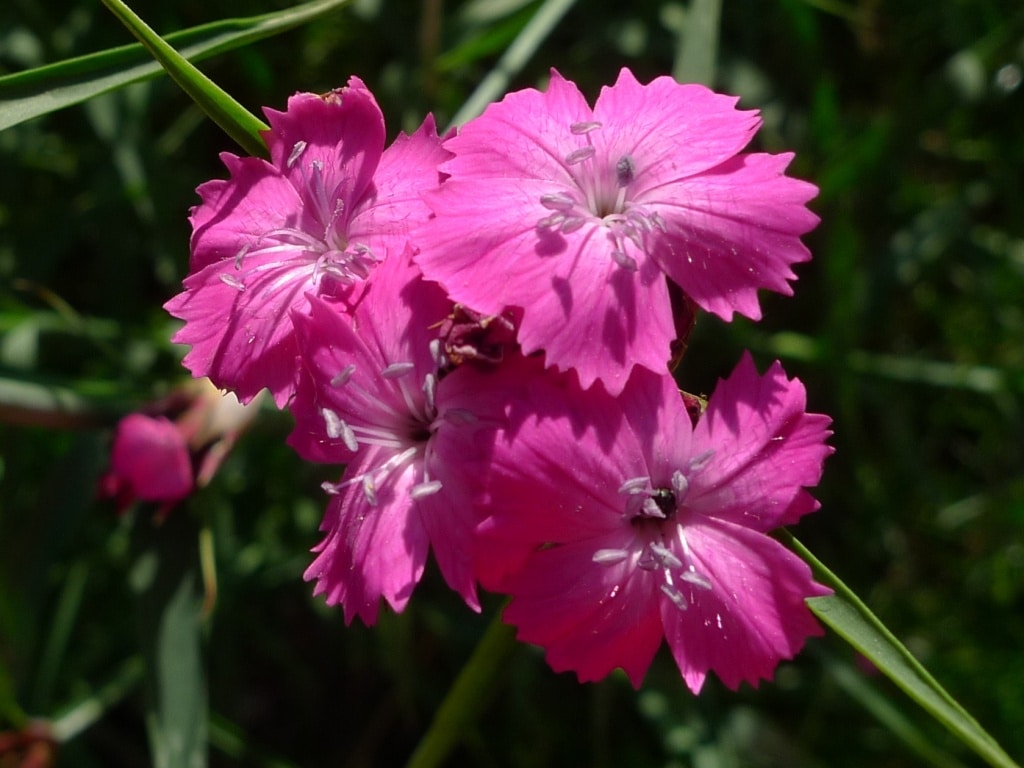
908, 328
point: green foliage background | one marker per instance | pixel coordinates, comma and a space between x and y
908, 328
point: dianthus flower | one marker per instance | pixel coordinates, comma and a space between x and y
373, 396
316, 219
577, 215
614, 523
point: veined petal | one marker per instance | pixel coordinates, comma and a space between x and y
733, 230
369, 551
671, 130
753, 615
590, 617
340, 133
238, 322
766, 450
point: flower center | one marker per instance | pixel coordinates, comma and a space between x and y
323, 253
660, 544
403, 430
602, 195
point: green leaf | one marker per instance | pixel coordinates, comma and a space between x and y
169, 607
852, 620
46, 89
236, 121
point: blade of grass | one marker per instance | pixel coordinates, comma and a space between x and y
39, 91
234, 119
853, 621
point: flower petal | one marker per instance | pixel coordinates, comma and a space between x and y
589, 617
370, 551
754, 614
766, 449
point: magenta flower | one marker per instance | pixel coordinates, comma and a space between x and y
316, 219
149, 461
614, 524
372, 397
577, 215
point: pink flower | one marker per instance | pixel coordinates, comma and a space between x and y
614, 524
149, 461
372, 396
157, 459
577, 215
316, 219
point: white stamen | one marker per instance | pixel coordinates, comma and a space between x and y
609, 556
665, 556
675, 596
332, 488
625, 171
296, 153
437, 353
581, 128
579, 155
680, 484
571, 224
650, 508
557, 201
700, 461
232, 281
552, 221
624, 260
697, 579
425, 489
343, 377
429, 389
634, 485
369, 491
241, 255
395, 370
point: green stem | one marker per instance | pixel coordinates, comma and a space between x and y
234, 119
465, 700
852, 620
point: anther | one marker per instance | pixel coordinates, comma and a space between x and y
557, 201
397, 370
579, 155
343, 377
664, 556
232, 281
634, 485
625, 171
697, 579
425, 489
429, 389
369, 491
624, 260
581, 128
571, 224
552, 221
680, 484
609, 556
296, 153
673, 594
700, 461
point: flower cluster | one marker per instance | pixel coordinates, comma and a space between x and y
480, 328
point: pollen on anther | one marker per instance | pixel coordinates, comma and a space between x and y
579, 155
